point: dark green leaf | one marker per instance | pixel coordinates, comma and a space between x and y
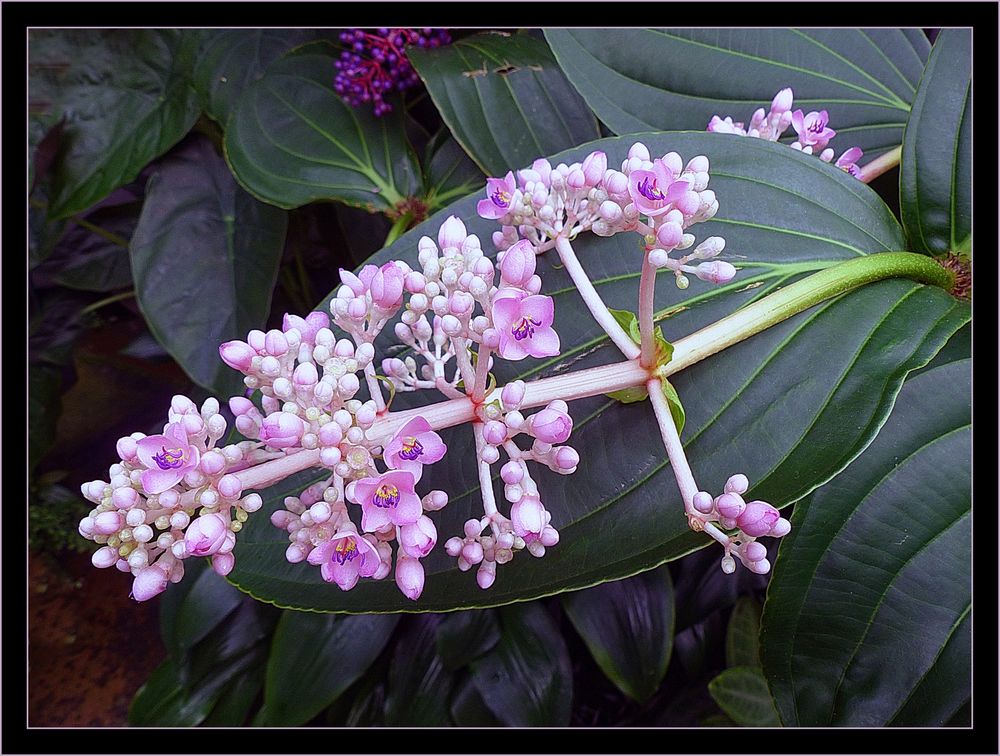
163, 702
651, 79
207, 605
200, 234
450, 173
628, 625
44, 408
504, 98
236, 644
419, 685
752, 408
465, 636
127, 98
468, 708
291, 140
935, 175
742, 693
237, 698
315, 657
527, 679
866, 612
742, 641
233, 59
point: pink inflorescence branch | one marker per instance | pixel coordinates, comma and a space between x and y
812, 130
179, 494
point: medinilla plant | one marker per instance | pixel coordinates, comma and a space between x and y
614, 352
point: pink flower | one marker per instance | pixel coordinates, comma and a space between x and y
525, 325
517, 264
414, 446
654, 191
527, 516
237, 354
418, 538
149, 582
167, 458
500, 196
344, 558
308, 326
849, 161
206, 535
812, 129
758, 518
389, 498
282, 430
726, 126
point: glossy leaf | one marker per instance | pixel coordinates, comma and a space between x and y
628, 625
742, 636
527, 680
233, 59
315, 657
891, 641
208, 603
237, 699
419, 685
647, 79
163, 702
202, 235
754, 408
127, 99
291, 141
935, 178
449, 173
504, 98
465, 636
741, 693
468, 709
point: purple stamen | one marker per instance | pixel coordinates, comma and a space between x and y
523, 329
169, 459
386, 496
345, 551
501, 198
411, 448
648, 189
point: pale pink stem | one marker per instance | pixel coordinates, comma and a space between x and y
880, 165
485, 480
374, 388
464, 363
672, 443
593, 300
647, 289
482, 370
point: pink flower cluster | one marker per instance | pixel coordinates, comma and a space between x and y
673, 196
812, 130
171, 495
752, 520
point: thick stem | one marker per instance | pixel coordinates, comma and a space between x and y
880, 165
672, 443
485, 479
482, 371
647, 289
593, 300
374, 389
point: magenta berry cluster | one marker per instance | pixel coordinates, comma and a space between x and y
375, 63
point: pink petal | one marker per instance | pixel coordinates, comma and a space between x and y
486, 209
322, 553
434, 447
539, 308
545, 343
156, 481
149, 446
408, 510
511, 348
344, 575
373, 518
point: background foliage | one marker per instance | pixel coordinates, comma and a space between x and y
186, 186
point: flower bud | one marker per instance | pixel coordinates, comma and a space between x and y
237, 354
781, 527
757, 519
716, 271
495, 432
610, 211
551, 426
104, 557
737, 484
669, 234
512, 472
486, 574
223, 564
108, 523
212, 462
206, 535
728, 565
452, 233
761, 567
703, 502
230, 486
576, 179
528, 518
409, 576
782, 101
730, 505
518, 264
387, 286
275, 343
594, 166
418, 538
638, 150
567, 458
282, 430
616, 183
305, 375
125, 498
754, 551
126, 448
149, 582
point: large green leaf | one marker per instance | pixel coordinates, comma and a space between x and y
527, 679
449, 173
642, 79
419, 685
315, 657
936, 170
465, 636
127, 98
233, 59
291, 141
206, 605
199, 234
742, 693
866, 620
628, 625
759, 407
504, 98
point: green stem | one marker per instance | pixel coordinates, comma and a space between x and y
107, 300
102, 232
801, 295
398, 228
880, 165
